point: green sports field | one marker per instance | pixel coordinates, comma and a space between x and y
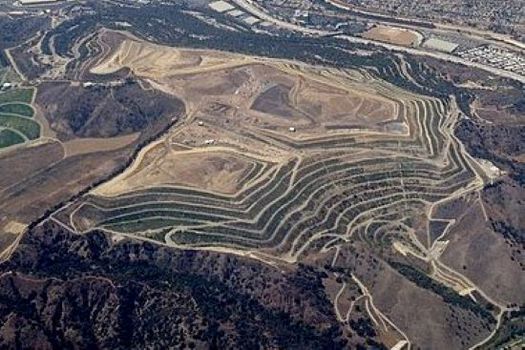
16, 112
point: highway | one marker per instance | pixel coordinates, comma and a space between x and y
250, 7
507, 40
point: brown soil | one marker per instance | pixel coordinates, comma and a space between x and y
14, 227
156, 61
413, 309
28, 161
90, 145
270, 95
491, 255
229, 96
215, 171
402, 300
35, 191
393, 35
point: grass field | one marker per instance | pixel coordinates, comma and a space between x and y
3, 74
17, 108
17, 95
15, 111
26, 126
7, 74
9, 138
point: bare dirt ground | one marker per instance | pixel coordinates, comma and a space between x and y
39, 188
91, 145
492, 259
157, 60
10, 234
497, 115
213, 170
14, 227
45, 130
22, 162
244, 83
225, 93
389, 285
486, 258
393, 35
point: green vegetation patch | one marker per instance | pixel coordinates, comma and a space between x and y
3, 74
17, 108
447, 294
28, 127
511, 333
9, 138
17, 95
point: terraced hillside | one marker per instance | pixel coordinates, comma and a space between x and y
286, 162
333, 155
199, 183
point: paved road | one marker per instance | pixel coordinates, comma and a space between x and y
250, 7
480, 34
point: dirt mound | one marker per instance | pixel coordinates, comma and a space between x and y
393, 35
